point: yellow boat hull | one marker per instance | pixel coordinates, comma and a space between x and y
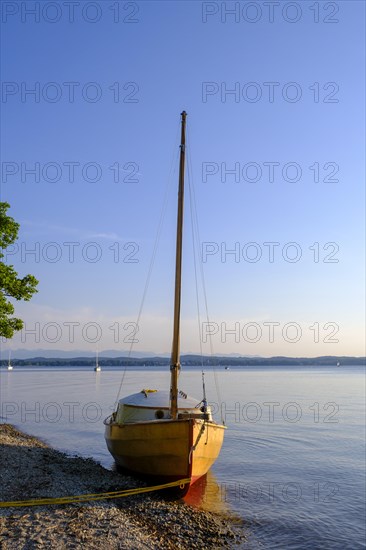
169, 449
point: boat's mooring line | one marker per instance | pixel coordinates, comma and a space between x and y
95, 496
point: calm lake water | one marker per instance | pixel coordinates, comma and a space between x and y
293, 461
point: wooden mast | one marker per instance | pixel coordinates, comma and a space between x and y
175, 359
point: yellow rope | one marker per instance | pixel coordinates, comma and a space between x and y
90, 497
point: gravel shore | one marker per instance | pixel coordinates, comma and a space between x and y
31, 469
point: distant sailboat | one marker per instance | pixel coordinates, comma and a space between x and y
10, 366
97, 367
167, 434
338, 364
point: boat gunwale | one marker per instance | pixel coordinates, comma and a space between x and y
165, 408
161, 421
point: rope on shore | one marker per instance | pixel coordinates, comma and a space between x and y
90, 497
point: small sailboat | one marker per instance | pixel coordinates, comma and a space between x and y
338, 364
97, 367
166, 434
10, 366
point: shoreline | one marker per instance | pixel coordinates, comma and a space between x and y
32, 469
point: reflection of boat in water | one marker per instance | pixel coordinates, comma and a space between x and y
207, 494
163, 434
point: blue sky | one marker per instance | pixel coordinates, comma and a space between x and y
165, 60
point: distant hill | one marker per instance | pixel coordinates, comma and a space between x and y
190, 360
23, 353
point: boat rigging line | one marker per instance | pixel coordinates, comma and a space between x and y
196, 239
172, 170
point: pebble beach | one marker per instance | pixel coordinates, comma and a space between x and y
30, 469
